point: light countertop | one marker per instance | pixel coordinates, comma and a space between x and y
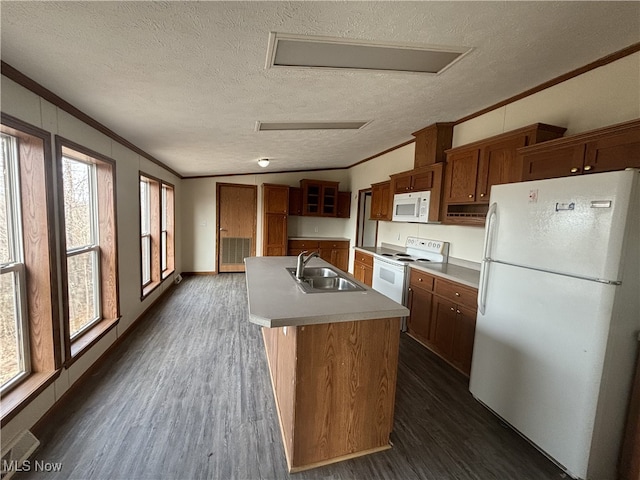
275, 300
451, 271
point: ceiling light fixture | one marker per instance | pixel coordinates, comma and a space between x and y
305, 51
266, 126
263, 162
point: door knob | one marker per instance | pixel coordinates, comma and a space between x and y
223, 229
587, 168
471, 195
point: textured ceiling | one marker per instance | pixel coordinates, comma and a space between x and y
186, 81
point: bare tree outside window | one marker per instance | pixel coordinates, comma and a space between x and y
82, 243
14, 348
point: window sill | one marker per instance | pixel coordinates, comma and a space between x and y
82, 344
146, 291
20, 396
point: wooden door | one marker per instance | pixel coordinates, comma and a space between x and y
443, 325
463, 338
422, 181
419, 321
615, 152
276, 198
554, 162
500, 164
462, 175
237, 213
275, 235
295, 201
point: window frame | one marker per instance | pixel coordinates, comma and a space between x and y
92, 247
107, 236
16, 264
39, 242
157, 208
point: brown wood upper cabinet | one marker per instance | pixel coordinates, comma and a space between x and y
612, 148
275, 203
381, 201
472, 169
420, 180
319, 198
431, 143
295, 201
344, 205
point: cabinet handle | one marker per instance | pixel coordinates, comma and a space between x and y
453, 309
419, 279
410, 188
471, 195
587, 168
457, 311
457, 294
482, 194
574, 170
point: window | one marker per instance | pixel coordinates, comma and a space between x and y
89, 274
30, 353
14, 329
83, 250
156, 232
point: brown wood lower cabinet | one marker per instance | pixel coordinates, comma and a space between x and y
363, 267
324, 416
336, 252
443, 317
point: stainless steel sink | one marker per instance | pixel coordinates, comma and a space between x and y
324, 280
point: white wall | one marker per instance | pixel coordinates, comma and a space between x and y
598, 98
199, 214
601, 97
29, 107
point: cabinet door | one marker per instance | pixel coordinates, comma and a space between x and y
344, 205
340, 258
463, 338
402, 184
615, 152
381, 201
422, 181
295, 201
275, 233
363, 273
462, 176
499, 164
443, 326
556, 162
329, 200
276, 199
311, 198
419, 320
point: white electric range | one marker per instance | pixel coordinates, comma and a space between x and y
390, 266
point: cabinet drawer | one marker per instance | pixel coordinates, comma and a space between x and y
420, 279
457, 293
304, 244
330, 245
364, 258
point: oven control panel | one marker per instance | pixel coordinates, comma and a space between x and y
435, 246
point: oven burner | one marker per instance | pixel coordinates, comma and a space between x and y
405, 259
388, 254
402, 255
422, 260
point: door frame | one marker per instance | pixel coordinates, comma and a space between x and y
359, 219
254, 246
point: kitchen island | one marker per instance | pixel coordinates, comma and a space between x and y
333, 361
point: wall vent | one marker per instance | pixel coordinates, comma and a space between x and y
235, 250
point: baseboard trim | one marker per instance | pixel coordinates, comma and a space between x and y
191, 274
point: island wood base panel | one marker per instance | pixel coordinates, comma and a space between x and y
334, 386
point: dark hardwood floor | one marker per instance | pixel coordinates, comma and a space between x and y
187, 396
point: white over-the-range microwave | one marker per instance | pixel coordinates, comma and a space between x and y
411, 207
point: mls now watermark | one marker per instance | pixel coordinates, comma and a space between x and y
30, 466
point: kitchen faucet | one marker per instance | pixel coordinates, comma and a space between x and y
302, 262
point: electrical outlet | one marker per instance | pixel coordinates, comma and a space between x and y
315, 229
398, 236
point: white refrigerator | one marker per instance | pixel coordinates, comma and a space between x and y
559, 315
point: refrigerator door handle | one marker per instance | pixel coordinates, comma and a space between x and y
486, 257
